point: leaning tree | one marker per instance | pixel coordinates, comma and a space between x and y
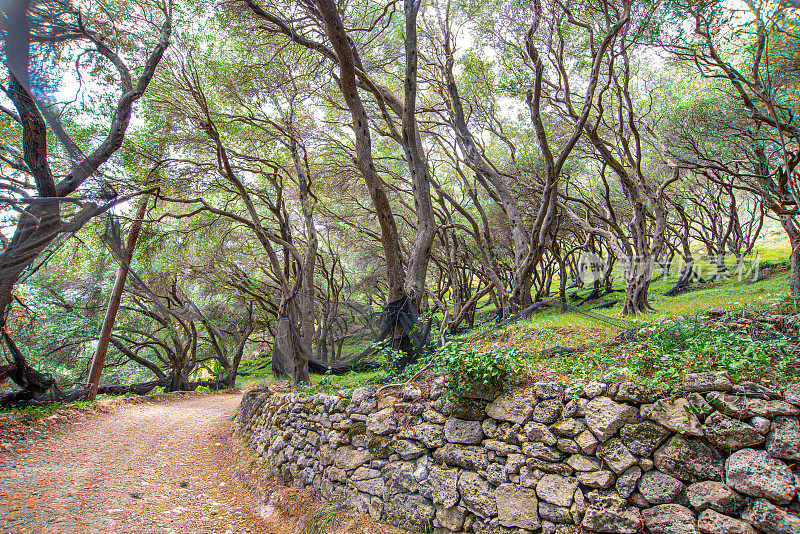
53, 186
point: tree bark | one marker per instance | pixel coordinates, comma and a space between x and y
96, 370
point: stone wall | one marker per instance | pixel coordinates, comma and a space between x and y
719, 459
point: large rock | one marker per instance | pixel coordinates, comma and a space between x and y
517, 507
587, 442
466, 456
557, 490
451, 518
643, 438
702, 382
633, 392
604, 417
716, 496
569, 428
711, 522
476, 495
669, 519
464, 432
609, 513
553, 513
406, 448
626, 483
540, 451
511, 406
597, 479
689, 460
382, 422
660, 488
443, 484
675, 415
348, 458
730, 434
783, 440
539, 432
771, 519
755, 474
615, 455
409, 510
745, 407
792, 394
547, 411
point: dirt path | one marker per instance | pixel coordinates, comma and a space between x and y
143, 468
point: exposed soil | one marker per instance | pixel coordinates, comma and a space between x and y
167, 467
142, 468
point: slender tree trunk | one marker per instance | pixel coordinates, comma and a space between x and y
113, 302
790, 225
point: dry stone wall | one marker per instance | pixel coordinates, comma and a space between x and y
720, 459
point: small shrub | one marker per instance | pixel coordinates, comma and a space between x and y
466, 369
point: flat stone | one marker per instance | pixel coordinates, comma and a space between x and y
675, 415
511, 406
609, 513
642, 439
689, 460
597, 479
730, 434
466, 456
716, 496
429, 434
783, 440
660, 488
444, 486
517, 507
712, 522
771, 519
407, 449
464, 432
501, 448
583, 463
616, 455
476, 495
604, 417
557, 490
541, 451
702, 382
669, 519
756, 474
633, 392
568, 446
740, 407
626, 482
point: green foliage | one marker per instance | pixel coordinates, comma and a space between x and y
692, 344
466, 369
